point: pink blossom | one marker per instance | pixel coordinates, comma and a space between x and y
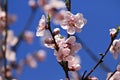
47, 40
31, 61
32, 4
93, 78
71, 44
2, 13
50, 43
42, 3
20, 66
52, 5
58, 17
1, 78
66, 47
59, 39
73, 23
8, 71
118, 67
74, 47
2, 20
11, 18
62, 53
116, 76
115, 48
28, 36
75, 75
41, 26
11, 39
10, 55
73, 63
40, 55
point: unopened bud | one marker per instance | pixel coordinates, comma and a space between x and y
113, 32
56, 31
48, 41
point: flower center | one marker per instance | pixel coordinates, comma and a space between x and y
71, 23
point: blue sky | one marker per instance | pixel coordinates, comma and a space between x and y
101, 15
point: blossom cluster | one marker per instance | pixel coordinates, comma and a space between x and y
65, 49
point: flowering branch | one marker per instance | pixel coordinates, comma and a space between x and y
104, 54
49, 28
5, 6
64, 64
68, 5
65, 49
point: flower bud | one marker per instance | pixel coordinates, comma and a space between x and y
56, 31
113, 32
48, 41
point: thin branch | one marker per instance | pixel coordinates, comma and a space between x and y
26, 27
64, 64
83, 75
112, 74
49, 28
92, 55
103, 55
100, 61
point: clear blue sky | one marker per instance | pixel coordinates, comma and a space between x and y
101, 15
